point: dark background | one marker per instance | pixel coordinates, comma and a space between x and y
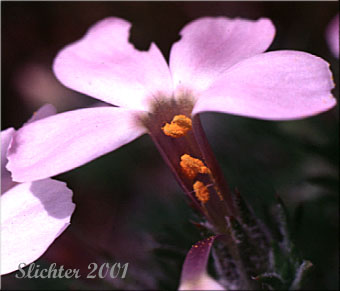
129, 207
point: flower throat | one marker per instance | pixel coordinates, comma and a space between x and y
183, 145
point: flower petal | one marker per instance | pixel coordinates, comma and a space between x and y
6, 180
276, 85
104, 65
204, 282
332, 35
43, 112
68, 140
209, 46
194, 275
33, 215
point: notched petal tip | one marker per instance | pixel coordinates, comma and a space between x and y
210, 45
216, 20
107, 22
105, 65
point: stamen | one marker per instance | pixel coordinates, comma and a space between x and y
191, 166
178, 127
201, 191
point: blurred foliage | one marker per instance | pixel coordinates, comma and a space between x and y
129, 207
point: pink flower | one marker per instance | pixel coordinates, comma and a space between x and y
219, 64
332, 35
33, 214
194, 271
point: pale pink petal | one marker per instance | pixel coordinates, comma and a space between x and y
194, 272
276, 85
204, 282
332, 35
6, 138
33, 215
104, 65
43, 112
68, 140
6, 180
209, 46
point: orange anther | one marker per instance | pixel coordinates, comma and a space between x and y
178, 127
201, 191
191, 166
